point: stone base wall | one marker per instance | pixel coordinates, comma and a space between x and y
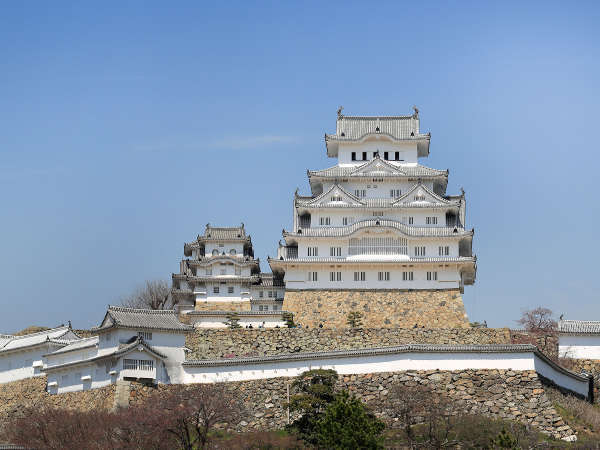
380, 308
499, 394
225, 343
223, 306
590, 366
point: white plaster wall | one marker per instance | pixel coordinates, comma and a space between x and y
408, 150
225, 248
266, 321
376, 189
19, 365
579, 347
67, 357
336, 216
561, 379
100, 377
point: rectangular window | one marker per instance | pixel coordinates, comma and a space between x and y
411, 220
215, 289
221, 245
325, 220
419, 251
313, 251
312, 276
138, 364
385, 155
364, 156
395, 193
270, 294
359, 276
431, 276
335, 251
335, 276
383, 276
353, 156
260, 307
419, 198
346, 220
261, 294
444, 250
377, 213
407, 276
397, 156
360, 193
145, 335
431, 220
230, 289
336, 198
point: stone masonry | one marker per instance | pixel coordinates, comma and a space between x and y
225, 343
222, 306
380, 308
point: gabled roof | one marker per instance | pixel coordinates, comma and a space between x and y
76, 345
144, 319
400, 171
60, 335
395, 128
408, 230
323, 198
137, 344
430, 196
579, 327
268, 280
236, 260
218, 234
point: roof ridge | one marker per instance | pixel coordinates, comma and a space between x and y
342, 117
37, 333
140, 310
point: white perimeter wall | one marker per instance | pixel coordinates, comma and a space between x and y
579, 347
385, 363
19, 365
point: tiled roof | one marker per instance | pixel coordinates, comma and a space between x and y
409, 230
149, 319
209, 260
224, 233
579, 327
383, 260
28, 340
356, 127
239, 313
77, 345
402, 171
268, 280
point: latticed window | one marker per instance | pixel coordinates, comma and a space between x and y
138, 364
336, 198
431, 220
145, 335
383, 276
378, 246
325, 221
420, 251
335, 276
335, 251
431, 276
408, 276
313, 251
444, 250
312, 276
360, 276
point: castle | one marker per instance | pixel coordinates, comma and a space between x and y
378, 235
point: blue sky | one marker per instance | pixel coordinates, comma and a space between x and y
126, 126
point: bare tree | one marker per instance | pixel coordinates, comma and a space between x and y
538, 320
154, 294
190, 412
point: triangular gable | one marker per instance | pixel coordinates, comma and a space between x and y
377, 166
336, 195
108, 321
420, 193
141, 346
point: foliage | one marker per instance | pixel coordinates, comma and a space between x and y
347, 423
289, 319
354, 319
312, 392
538, 320
154, 294
260, 440
504, 440
232, 320
30, 329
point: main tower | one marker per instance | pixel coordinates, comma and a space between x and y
378, 234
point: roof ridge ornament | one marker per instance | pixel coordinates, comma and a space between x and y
416, 112
339, 112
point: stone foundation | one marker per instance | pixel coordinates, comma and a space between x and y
380, 308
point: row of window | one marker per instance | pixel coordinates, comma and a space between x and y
362, 276
325, 221
443, 250
217, 290
266, 307
386, 156
138, 364
270, 294
237, 271
232, 252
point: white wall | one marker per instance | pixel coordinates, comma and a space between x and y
224, 247
18, 365
408, 151
384, 363
336, 216
214, 321
579, 347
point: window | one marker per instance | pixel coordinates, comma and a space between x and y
364, 156
325, 220
215, 289
346, 220
385, 155
230, 289
145, 335
360, 276
411, 220
407, 276
270, 294
395, 193
431, 276
444, 251
313, 251
336, 198
232, 252
312, 276
420, 251
215, 252
377, 213
138, 364
360, 193
397, 156
335, 276
431, 220
383, 276
420, 197
335, 251
261, 294
263, 307
377, 180
221, 245
353, 156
